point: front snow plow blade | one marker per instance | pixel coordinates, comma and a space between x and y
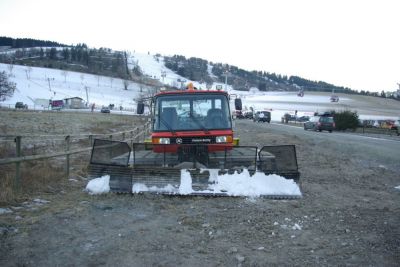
280, 160
189, 169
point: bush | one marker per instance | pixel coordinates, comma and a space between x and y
346, 120
7, 88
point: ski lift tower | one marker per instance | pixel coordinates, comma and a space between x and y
163, 75
226, 73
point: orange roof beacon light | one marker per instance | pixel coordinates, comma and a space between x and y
190, 87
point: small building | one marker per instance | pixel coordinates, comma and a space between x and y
74, 103
42, 102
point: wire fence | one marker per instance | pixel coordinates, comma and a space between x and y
39, 147
48, 108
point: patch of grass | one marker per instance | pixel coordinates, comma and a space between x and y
48, 176
39, 177
6, 186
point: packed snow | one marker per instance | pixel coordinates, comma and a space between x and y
242, 184
237, 184
99, 185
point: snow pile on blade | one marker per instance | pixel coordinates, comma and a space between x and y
237, 184
242, 184
99, 185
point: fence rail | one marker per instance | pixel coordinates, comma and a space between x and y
362, 129
48, 108
137, 134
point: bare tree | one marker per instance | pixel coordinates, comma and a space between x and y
10, 68
126, 84
111, 81
65, 74
82, 76
28, 71
7, 88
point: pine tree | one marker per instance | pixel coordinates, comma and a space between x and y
7, 88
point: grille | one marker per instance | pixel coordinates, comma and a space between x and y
194, 140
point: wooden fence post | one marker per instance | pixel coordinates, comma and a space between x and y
17, 180
67, 141
133, 153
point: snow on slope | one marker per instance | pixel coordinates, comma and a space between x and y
44, 83
154, 67
53, 84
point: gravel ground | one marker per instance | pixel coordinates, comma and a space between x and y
349, 215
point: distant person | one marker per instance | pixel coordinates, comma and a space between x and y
92, 107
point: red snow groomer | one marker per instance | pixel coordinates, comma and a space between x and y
190, 129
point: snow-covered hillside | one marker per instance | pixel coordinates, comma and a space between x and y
35, 84
43, 83
153, 66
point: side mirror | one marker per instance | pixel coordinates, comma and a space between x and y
140, 108
238, 104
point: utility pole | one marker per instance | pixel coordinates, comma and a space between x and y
163, 75
48, 80
87, 95
183, 81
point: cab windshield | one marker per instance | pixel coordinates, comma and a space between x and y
188, 112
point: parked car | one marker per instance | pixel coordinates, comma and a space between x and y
388, 124
105, 110
239, 114
303, 118
334, 98
397, 126
248, 114
287, 117
57, 104
320, 123
21, 105
263, 116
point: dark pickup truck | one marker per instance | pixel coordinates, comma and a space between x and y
21, 105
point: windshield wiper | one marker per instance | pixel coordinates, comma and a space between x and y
205, 130
167, 125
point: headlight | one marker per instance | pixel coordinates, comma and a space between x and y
222, 139
165, 141
161, 141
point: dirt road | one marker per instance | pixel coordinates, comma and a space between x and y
349, 215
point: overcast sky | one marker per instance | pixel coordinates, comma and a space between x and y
345, 42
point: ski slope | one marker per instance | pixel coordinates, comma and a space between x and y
35, 84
